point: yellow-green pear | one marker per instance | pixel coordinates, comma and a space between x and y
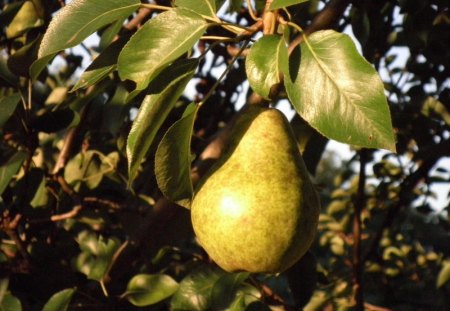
256, 209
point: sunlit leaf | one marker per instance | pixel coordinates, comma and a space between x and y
158, 43
146, 289
75, 22
173, 159
162, 94
444, 275
59, 301
26, 18
265, 63
277, 4
339, 93
202, 7
10, 168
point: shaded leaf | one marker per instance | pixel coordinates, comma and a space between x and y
59, 301
173, 159
7, 106
10, 303
53, 121
19, 63
194, 292
224, 291
84, 167
147, 289
265, 63
96, 256
202, 7
163, 93
10, 168
235, 5
109, 33
5, 74
278, 4
158, 43
102, 65
339, 93
114, 110
75, 22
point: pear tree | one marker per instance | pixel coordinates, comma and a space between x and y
173, 155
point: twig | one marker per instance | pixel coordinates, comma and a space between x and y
357, 262
137, 21
70, 214
325, 19
9, 226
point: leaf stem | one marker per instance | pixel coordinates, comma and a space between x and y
251, 12
104, 290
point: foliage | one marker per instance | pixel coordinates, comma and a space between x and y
90, 155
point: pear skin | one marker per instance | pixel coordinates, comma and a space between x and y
256, 209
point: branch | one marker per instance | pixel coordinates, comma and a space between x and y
357, 262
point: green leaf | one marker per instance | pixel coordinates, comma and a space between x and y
10, 303
75, 22
158, 43
84, 167
444, 275
173, 159
265, 63
278, 4
7, 106
224, 292
102, 65
19, 63
114, 110
96, 256
109, 33
194, 292
53, 121
339, 93
201, 7
26, 18
235, 5
147, 289
5, 74
10, 168
163, 93
59, 301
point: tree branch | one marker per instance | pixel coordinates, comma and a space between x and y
357, 262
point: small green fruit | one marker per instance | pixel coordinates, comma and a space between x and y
256, 210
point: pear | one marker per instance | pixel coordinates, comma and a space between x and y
256, 209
